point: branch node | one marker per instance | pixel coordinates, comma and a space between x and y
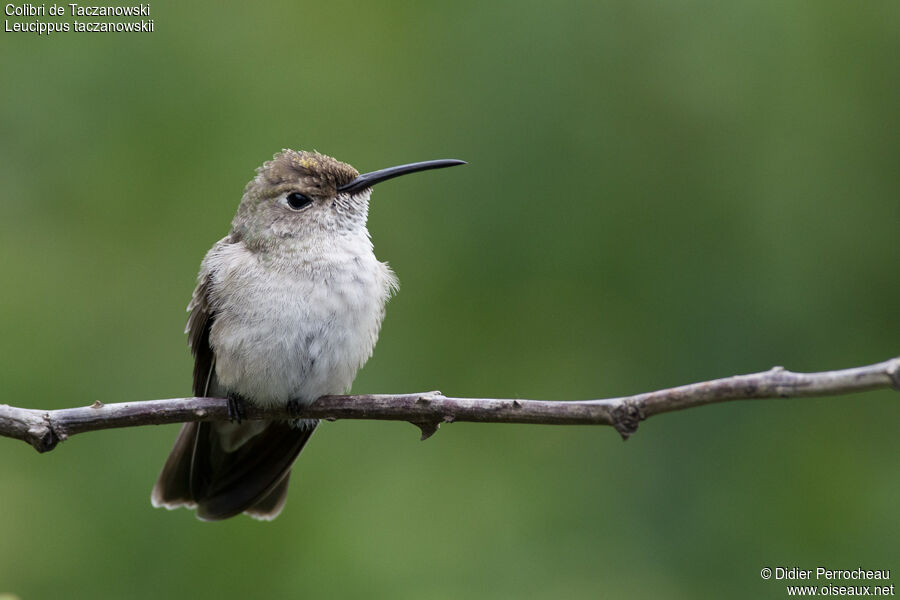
626, 417
97, 404
894, 374
429, 397
42, 436
429, 428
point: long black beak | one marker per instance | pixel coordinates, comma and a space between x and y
367, 180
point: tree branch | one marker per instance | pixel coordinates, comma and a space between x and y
45, 429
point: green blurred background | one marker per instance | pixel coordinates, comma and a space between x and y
657, 193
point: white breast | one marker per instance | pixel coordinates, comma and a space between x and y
288, 327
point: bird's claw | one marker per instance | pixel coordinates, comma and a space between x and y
236, 409
294, 408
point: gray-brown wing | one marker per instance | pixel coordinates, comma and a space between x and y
173, 487
198, 325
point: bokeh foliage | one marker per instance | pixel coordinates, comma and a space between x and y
658, 193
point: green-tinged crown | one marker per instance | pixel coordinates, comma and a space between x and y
317, 174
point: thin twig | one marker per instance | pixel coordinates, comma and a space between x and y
45, 429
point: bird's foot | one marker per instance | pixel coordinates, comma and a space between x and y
294, 408
237, 409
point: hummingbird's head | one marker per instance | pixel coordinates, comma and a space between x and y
301, 194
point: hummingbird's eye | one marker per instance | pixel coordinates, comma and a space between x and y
298, 201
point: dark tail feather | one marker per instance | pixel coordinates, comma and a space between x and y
270, 506
229, 468
173, 487
226, 482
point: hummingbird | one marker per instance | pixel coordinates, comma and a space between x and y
287, 308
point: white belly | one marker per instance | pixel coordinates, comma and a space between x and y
295, 331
